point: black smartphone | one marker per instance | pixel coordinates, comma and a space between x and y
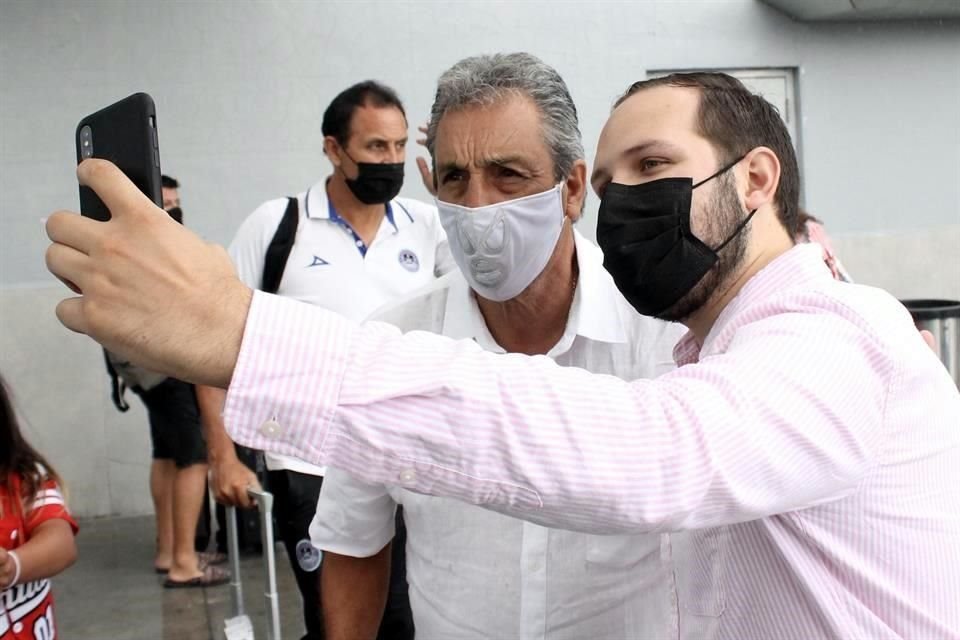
125, 133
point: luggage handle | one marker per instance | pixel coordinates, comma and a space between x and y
264, 500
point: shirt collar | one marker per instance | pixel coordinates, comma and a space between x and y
316, 201
799, 267
596, 313
319, 207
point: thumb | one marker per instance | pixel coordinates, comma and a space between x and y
115, 189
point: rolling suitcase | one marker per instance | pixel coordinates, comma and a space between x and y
249, 534
240, 627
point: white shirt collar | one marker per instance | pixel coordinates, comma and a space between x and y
317, 206
595, 313
316, 202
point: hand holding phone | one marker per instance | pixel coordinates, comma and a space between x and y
151, 291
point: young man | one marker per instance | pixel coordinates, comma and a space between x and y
357, 247
505, 136
807, 443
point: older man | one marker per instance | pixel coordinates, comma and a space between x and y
510, 180
807, 442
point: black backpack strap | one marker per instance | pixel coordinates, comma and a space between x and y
117, 386
280, 246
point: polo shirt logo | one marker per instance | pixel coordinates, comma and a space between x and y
317, 262
308, 556
409, 260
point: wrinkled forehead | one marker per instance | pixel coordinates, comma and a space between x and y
664, 115
510, 125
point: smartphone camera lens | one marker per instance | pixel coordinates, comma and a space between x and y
86, 142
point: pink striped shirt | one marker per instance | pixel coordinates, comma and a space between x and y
810, 449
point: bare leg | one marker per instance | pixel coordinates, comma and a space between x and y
188, 487
161, 490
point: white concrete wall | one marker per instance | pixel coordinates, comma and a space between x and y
240, 88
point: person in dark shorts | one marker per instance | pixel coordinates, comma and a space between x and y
177, 483
178, 473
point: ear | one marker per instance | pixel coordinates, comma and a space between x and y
331, 149
576, 190
762, 177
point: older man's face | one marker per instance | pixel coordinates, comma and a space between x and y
485, 155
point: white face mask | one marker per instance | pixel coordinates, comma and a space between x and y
503, 247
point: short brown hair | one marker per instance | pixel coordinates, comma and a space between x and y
338, 116
735, 121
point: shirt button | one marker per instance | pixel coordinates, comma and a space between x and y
408, 476
271, 429
17, 627
359, 243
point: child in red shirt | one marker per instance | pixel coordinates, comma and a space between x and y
36, 534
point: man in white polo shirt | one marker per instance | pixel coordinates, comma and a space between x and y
511, 180
353, 247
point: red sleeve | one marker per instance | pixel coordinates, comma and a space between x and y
48, 504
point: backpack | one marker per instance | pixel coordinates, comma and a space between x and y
124, 375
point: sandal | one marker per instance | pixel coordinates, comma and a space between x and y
212, 577
207, 558
204, 560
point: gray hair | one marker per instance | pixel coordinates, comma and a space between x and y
485, 80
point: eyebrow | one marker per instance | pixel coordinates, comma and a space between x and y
496, 160
370, 141
647, 145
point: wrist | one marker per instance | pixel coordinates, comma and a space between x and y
16, 570
222, 453
234, 310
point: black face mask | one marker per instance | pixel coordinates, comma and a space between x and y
376, 183
176, 214
648, 247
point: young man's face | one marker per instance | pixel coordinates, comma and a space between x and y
653, 135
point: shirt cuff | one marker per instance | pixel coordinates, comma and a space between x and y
286, 383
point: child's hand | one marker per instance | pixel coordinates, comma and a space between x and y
8, 568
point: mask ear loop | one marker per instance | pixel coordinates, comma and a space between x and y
355, 163
723, 170
735, 231
745, 220
349, 156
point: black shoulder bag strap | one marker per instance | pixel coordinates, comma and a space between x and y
275, 260
117, 386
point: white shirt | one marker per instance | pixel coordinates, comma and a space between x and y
474, 573
330, 266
